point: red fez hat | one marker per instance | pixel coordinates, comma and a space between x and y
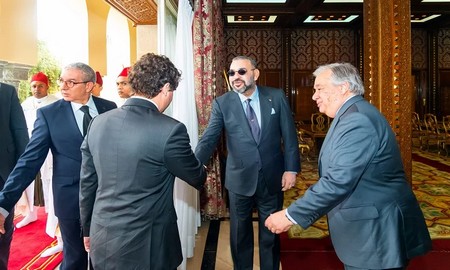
39, 77
124, 72
98, 78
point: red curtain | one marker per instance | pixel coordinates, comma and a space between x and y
209, 58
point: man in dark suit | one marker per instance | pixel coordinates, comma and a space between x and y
262, 161
13, 138
59, 127
130, 159
374, 219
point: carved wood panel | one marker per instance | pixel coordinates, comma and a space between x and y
302, 85
419, 49
444, 48
444, 87
314, 47
265, 46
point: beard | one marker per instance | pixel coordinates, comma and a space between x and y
244, 87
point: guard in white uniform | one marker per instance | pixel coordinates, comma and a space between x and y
39, 88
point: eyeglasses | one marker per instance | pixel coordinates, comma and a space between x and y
241, 72
69, 84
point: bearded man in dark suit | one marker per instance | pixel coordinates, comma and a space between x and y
13, 138
59, 128
262, 161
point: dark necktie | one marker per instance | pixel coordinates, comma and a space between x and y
86, 118
253, 121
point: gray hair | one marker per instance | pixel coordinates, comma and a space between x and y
342, 73
88, 72
243, 57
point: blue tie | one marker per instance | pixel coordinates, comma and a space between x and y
253, 121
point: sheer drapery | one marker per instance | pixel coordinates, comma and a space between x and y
209, 83
183, 108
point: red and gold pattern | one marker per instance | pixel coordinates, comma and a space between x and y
29, 243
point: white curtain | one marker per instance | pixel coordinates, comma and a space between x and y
183, 106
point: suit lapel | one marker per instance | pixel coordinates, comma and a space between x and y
68, 117
101, 108
265, 103
239, 114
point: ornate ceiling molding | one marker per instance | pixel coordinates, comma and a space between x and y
140, 12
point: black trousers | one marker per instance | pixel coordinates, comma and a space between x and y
241, 228
75, 256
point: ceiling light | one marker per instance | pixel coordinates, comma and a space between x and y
251, 19
421, 19
329, 19
436, 1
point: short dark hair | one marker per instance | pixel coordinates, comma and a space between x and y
148, 75
243, 57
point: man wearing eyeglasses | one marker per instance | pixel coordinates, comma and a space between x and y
262, 162
59, 128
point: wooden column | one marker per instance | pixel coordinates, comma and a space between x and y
387, 67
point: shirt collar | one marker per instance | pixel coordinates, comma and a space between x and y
77, 106
144, 98
254, 96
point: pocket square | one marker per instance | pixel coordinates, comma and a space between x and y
273, 111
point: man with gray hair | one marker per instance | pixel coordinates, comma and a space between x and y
374, 219
59, 127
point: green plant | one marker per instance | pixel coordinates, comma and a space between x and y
48, 64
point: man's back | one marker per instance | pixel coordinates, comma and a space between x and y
136, 152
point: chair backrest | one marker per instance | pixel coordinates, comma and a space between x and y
320, 122
431, 123
416, 123
446, 124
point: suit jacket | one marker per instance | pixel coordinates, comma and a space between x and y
56, 129
374, 218
130, 159
245, 156
13, 131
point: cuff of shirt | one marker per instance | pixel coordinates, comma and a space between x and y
4, 212
290, 218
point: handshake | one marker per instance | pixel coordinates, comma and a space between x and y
278, 222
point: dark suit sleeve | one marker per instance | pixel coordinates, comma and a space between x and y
180, 160
18, 125
28, 165
290, 140
354, 143
88, 187
210, 137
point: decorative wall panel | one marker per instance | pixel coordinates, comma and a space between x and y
265, 46
444, 48
311, 48
419, 49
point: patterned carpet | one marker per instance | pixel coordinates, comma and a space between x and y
431, 184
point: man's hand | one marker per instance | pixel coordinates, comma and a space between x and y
2, 224
288, 180
278, 222
87, 243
